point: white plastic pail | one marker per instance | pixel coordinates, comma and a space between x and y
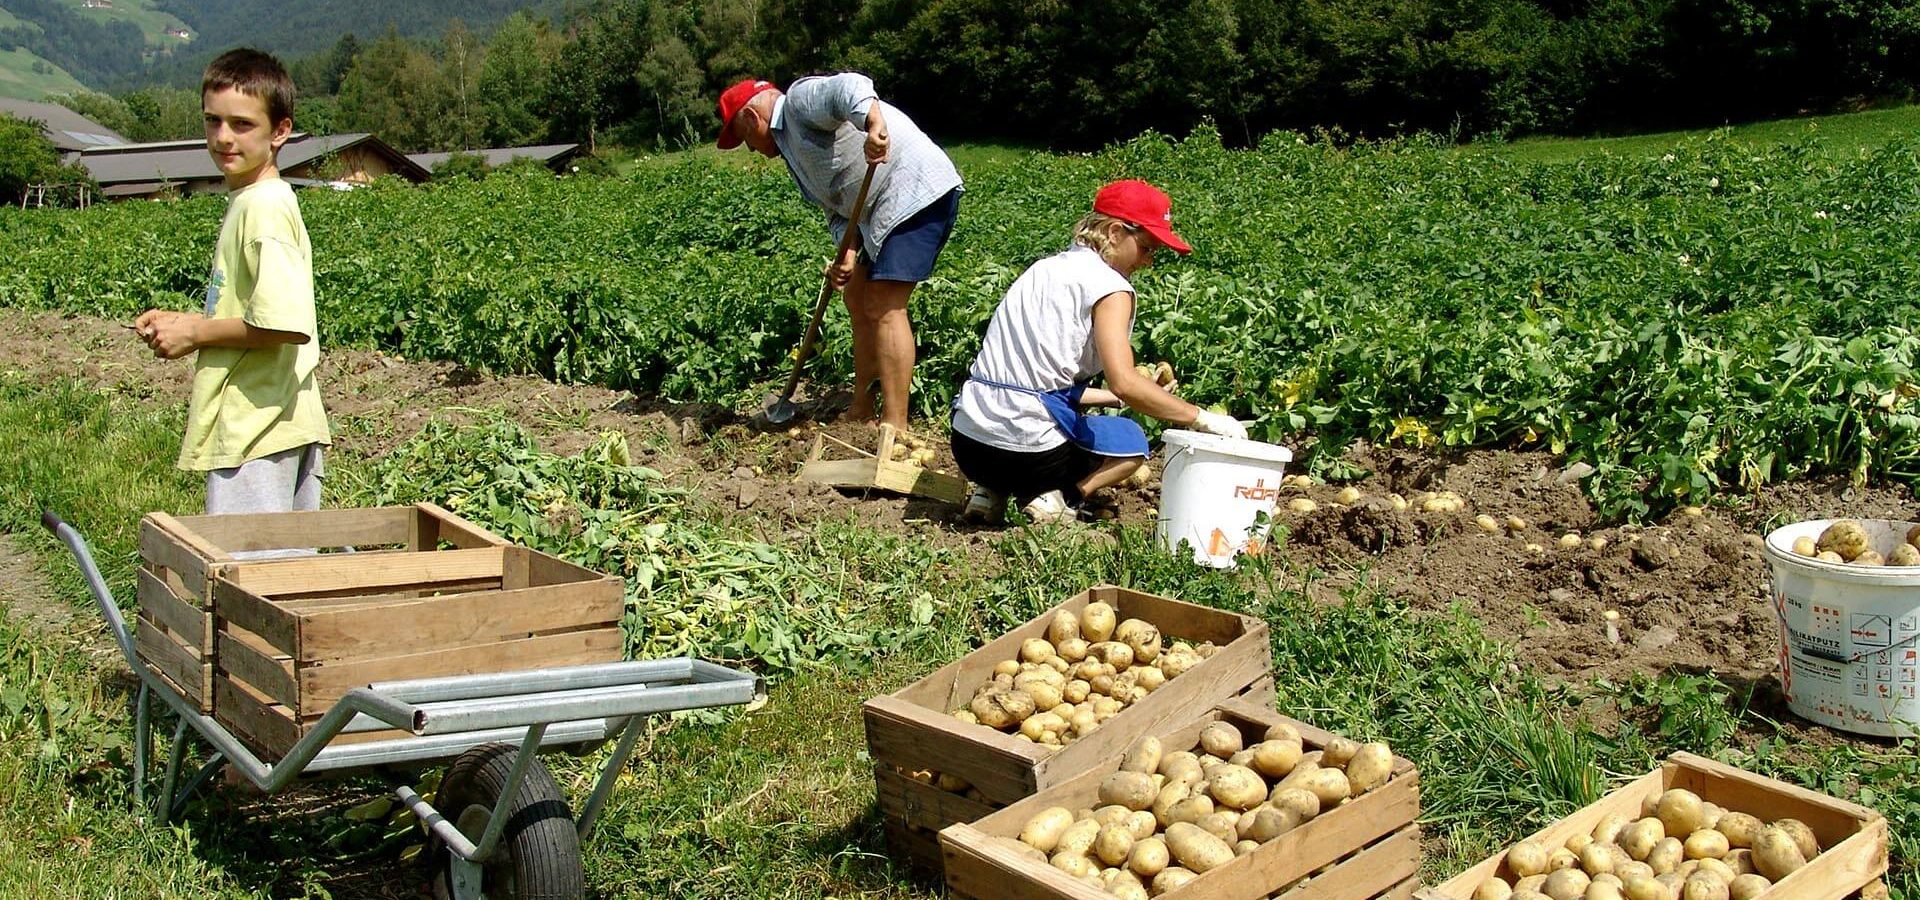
1848, 656
1211, 490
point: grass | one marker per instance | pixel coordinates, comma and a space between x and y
1836, 135
18, 79
779, 803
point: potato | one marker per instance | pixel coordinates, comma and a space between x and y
1001, 708
1192, 809
1805, 546
1220, 739
1775, 853
1195, 849
1527, 858
1829, 556
1680, 811
1128, 888
1578, 843
1078, 838
1044, 686
1666, 855
1338, 751
1650, 805
1702, 886
1181, 765
1064, 627
1275, 759
1243, 758
1641, 887
1113, 844
1913, 536
1113, 653
1223, 824
1148, 857
1175, 663
1133, 790
1710, 814
967, 716
1169, 797
1076, 692
1282, 731
1270, 823
1143, 825
1598, 859
1043, 831
1299, 801
1630, 868
1075, 864
1369, 767
1739, 828
1236, 786
1495, 888
1143, 756
1242, 848
1747, 887
1562, 858
1845, 537
1904, 555
1111, 814
1609, 828
1171, 878
1142, 637
1567, 884
1713, 867
1096, 622
1639, 837
1330, 785
1530, 884
1705, 844
1073, 650
1869, 558
1802, 836
1149, 678
1602, 890
1035, 650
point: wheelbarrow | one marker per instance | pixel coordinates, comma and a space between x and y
501, 824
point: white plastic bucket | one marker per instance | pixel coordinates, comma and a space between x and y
1848, 655
1212, 489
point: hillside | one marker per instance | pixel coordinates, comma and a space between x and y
309, 27
97, 45
29, 77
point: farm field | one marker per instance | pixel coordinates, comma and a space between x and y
1409, 317
18, 78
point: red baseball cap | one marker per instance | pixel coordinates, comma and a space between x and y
731, 102
1142, 204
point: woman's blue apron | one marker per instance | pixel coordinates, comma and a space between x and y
1099, 435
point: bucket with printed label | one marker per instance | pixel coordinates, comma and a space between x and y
1848, 656
1212, 491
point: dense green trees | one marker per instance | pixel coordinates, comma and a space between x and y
645, 72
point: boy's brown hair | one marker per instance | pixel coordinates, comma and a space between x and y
255, 74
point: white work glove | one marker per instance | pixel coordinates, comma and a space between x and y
1222, 425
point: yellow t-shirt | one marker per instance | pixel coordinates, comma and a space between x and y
247, 404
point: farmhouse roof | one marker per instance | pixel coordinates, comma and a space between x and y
68, 130
188, 160
552, 155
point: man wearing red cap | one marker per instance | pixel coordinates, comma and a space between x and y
827, 130
1018, 429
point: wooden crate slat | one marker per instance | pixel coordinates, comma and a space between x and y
188, 622
254, 613
979, 866
913, 737
322, 686
319, 528
339, 572
921, 805
245, 657
163, 545
432, 623
1853, 838
178, 662
1373, 872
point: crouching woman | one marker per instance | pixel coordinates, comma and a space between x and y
1019, 426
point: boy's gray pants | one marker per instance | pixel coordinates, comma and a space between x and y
281, 482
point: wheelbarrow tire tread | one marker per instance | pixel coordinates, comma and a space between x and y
540, 845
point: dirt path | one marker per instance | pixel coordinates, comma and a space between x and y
25, 594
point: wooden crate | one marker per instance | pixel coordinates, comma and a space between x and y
1368, 847
1853, 837
182, 556
295, 635
914, 811
911, 729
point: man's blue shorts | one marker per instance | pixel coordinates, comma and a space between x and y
914, 246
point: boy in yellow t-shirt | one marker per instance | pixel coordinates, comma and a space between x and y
255, 423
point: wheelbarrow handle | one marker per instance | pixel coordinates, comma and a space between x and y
50, 522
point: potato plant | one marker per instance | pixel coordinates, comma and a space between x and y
1168, 816
1680, 848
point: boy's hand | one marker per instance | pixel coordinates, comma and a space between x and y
170, 334
842, 269
877, 145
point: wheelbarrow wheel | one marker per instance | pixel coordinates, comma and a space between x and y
538, 857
